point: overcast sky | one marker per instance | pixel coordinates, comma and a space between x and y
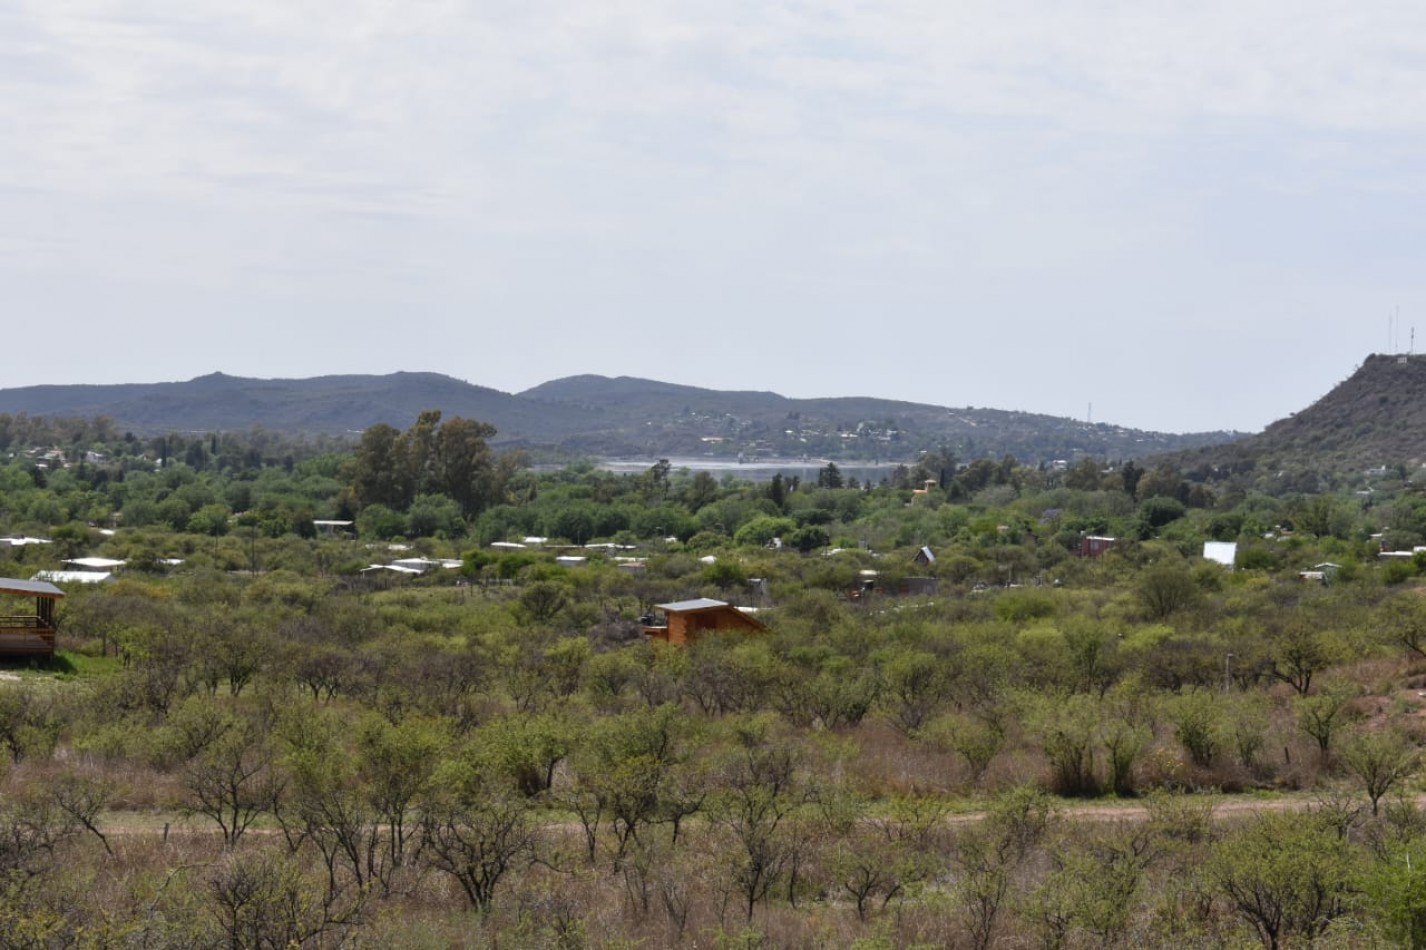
1189, 215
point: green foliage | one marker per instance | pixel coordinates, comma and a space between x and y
1396, 889
1397, 571
1067, 727
1019, 606
1165, 589
542, 602
1197, 721
1380, 761
762, 530
1323, 716
383, 727
1159, 510
380, 523
1286, 875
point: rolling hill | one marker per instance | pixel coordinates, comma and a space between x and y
601, 416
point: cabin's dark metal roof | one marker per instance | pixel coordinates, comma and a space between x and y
13, 585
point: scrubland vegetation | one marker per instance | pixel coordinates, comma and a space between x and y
263, 746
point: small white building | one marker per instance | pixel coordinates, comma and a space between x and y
328, 528
393, 568
20, 542
1221, 552
73, 577
106, 564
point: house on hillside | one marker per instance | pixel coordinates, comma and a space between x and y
920, 586
1322, 573
686, 620
24, 634
332, 528
1095, 545
925, 557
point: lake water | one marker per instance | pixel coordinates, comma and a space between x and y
756, 470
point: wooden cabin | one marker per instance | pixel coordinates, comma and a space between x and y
29, 635
687, 620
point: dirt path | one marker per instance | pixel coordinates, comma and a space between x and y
136, 824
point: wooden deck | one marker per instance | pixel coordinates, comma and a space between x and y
31, 634
27, 636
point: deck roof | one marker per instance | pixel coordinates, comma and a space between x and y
13, 585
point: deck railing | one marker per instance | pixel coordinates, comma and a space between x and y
25, 635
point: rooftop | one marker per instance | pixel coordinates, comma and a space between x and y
683, 606
13, 585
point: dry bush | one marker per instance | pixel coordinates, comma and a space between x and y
889, 764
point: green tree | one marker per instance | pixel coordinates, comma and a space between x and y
762, 788
431, 515
1401, 620
1396, 890
1165, 589
917, 686
763, 529
1286, 874
542, 601
420, 457
464, 468
380, 523
1068, 727
380, 471
1197, 719
575, 522
1323, 715
232, 781
397, 766
1380, 761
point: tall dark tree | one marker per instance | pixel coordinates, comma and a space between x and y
702, 490
464, 468
777, 491
419, 452
380, 468
654, 483
1131, 474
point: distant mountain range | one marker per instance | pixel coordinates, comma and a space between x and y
600, 416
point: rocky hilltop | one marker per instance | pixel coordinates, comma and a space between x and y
1374, 418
